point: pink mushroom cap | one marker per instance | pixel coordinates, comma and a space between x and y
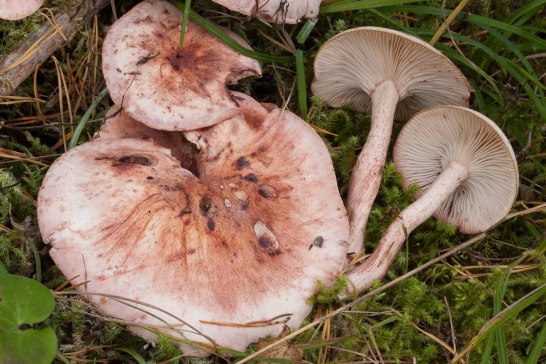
233, 251
165, 86
18, 9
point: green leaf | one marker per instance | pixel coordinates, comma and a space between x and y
24, 302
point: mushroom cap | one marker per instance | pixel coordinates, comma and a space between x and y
120, 125
165, 86
18, 9
437, 136
276, 11
349, 66
244, 242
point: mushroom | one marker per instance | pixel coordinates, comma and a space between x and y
275, 11
467, 174
165, 86
17, 9
235, 250
119, 125
393, 75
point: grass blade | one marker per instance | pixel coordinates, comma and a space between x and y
529, 72
81, 125
486, 356
510, 69
187, 6
500, 291
345, 5
524, 10
448, 21
301, 84
230, 42
473, 19
136, 356
499, 319
306, 30
538, 347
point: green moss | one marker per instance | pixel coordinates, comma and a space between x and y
13, 32
327, 295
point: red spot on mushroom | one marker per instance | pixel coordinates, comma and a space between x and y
268, 245
211, 224
242, 162
251, 177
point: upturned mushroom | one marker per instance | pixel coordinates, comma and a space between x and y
275, 11
467, 174
17, 9
393, 75
235, 250
165, 86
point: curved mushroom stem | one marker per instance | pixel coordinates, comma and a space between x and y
377, 265
366, 175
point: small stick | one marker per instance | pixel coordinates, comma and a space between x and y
24, 59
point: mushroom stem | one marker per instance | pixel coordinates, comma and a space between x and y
377, 264
366, 175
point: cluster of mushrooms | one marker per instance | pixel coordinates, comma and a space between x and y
224, 213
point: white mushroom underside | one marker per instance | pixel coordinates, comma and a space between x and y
425, 148
352, 64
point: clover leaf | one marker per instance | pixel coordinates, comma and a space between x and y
24, 302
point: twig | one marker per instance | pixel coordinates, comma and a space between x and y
448, 21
